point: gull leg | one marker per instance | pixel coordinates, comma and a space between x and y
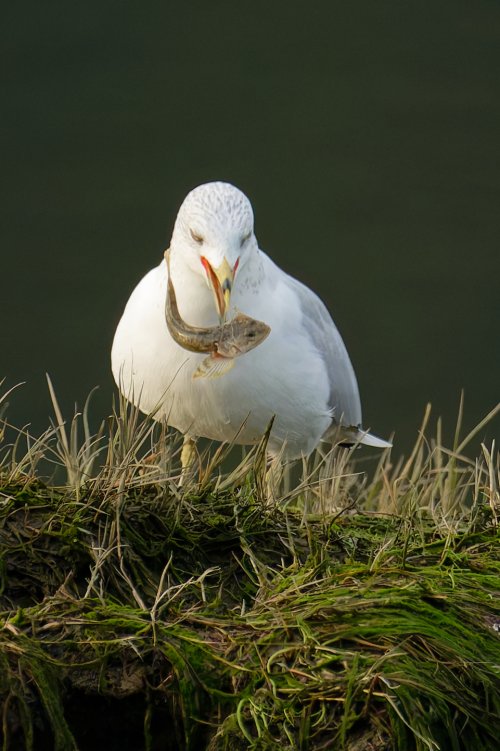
274, 475
188, 456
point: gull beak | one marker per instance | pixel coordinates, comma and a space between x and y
221, 281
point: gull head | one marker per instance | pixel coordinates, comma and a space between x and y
213, 234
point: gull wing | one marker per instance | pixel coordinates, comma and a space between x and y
344, 401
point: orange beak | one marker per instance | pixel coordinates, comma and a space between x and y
221, 280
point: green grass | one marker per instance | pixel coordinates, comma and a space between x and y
342, 609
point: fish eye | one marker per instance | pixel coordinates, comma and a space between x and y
245, 239
251, 334
197, 238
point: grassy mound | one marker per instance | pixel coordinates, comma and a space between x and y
232, 614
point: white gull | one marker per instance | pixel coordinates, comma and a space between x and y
301, 373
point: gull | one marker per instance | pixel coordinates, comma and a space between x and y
301, 375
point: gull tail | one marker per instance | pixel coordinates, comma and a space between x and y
357, 435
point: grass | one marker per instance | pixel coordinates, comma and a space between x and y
339, 609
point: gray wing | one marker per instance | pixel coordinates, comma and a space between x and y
344, 399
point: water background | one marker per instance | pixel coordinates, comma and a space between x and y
367, 136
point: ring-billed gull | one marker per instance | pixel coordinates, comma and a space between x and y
301, 374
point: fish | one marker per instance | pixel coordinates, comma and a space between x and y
224, 342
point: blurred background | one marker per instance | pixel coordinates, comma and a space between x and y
366, 135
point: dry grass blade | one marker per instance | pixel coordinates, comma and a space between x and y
77, 459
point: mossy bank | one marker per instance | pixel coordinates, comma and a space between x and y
341, 614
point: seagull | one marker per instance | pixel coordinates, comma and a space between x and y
301, 375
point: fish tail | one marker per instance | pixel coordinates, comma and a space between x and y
213, 366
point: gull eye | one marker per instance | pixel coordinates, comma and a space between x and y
197, 238
245, 239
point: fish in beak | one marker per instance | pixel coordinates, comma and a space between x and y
221, 281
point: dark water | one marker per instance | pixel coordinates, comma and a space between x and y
366, 135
